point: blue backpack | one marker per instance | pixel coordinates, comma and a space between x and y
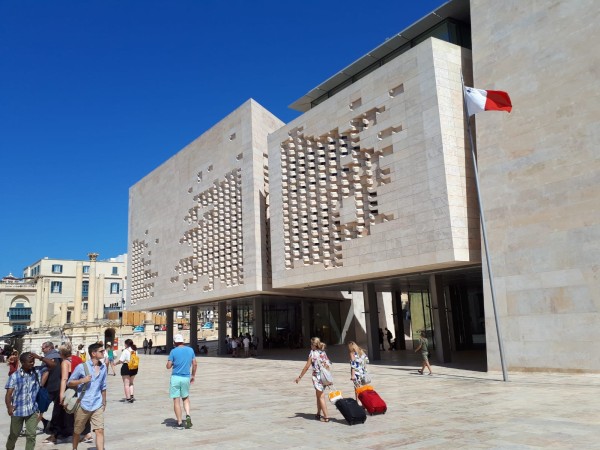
43, 398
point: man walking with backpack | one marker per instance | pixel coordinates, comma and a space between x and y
180, 360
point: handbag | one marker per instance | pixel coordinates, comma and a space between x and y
326, 376
70, 400
42, 398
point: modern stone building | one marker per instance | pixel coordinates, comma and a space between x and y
362, 213
199, 232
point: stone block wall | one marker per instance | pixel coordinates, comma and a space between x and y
375, 180
540, 175
197, 223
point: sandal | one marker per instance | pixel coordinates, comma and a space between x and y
49, 440
420, 371
317, 416
324, 419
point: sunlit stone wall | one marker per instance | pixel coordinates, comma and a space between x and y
198, 223
376, 180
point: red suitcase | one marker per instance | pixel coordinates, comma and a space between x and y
372, 402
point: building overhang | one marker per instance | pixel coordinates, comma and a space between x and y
455, 9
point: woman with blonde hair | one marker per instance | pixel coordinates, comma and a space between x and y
358, 365
317, 358
67, 365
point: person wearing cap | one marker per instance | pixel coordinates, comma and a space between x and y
181, 359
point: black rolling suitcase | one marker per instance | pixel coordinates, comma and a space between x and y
351, 410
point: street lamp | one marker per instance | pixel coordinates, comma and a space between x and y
122, 309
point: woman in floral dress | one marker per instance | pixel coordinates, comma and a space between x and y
358, 365
317, 358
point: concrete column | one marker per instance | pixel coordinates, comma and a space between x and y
91, 312
398, 320
170, 324
45, 302
39, 293
234, 320
64, 307
440, 320
304, 307
100, 289
258, 320
372, 315
78, 288
222, 332
194, 328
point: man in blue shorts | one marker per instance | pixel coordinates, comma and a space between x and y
180, 360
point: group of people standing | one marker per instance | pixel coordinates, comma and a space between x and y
147, 344
85, 372
58, 371
248, 343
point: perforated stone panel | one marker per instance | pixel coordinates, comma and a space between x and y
142, 286
375, 181
216, 237
329, 189
205, 212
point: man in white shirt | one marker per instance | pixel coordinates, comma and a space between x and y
234, 345
246, 342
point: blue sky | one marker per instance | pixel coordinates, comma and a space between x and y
96, 94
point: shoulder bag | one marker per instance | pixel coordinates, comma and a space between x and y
326, 376
71, 401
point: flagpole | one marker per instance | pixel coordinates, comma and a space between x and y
484, 234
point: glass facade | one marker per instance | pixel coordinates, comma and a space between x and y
282, 324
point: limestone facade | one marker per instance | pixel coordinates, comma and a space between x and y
540, 175
375, 181
198, 223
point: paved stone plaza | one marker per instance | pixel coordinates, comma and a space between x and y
254, 403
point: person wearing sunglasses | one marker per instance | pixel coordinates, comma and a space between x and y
93, 402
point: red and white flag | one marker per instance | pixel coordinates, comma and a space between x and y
479, 100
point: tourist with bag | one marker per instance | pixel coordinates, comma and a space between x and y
67, 366
358, 365
52, 360
321, 375
92, 402
130, 361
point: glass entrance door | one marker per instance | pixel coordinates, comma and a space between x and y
282, 324
421, 315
